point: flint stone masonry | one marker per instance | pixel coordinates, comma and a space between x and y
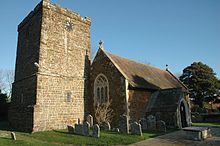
151, 122
89, 119
54, 94
96, 131
136, 129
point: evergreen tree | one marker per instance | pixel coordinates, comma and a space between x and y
201, 81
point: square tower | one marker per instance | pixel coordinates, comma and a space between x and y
52, 69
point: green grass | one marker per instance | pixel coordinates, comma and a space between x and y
207, 124
62, 137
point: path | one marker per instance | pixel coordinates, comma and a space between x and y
177, 139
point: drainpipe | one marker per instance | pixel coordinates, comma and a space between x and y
127, 97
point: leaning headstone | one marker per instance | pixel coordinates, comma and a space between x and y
78, 129
143, 123
70, 128
151, 122
161, 126
96, 131
86, 128
136, 129
124, 124
106, 126
89, 119
13, 136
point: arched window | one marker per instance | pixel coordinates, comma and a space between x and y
101, 89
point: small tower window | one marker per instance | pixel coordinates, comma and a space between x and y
69, 97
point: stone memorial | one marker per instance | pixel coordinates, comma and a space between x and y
143, 123
124, 124
136, 129
151, 122
13, 136
161, 126
86, 128
89, 119
96, 131
78, 129
70, 128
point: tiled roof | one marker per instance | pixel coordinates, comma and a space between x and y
145, 76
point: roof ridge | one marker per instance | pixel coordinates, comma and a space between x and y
147, 65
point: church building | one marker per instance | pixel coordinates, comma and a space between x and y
56, 84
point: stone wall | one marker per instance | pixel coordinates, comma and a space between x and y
59, 41
102, 64
24, 87
138, 100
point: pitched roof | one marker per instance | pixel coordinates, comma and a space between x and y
145, 76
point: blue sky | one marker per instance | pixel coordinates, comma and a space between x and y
158, 32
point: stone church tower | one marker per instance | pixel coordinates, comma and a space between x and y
52, 69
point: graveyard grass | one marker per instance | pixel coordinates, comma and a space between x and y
207, 124
62, 137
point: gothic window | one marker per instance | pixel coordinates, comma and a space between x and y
101, 89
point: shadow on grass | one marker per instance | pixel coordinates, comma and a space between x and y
4, 125
62, 132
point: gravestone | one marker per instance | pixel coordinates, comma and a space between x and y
89, 119
106, 126
86, 128
151, 122
161, 125
124, 124
143, 123
115, 130
70, 128
136, 129
13, 136
78, 129
96, 131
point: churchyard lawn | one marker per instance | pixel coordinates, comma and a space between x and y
207, 124
62, 137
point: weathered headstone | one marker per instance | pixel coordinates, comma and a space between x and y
70, 128
124, 124
136, 129
96, 131
13, 136
89, 119
143, 123
106, 126
151, 122
86, 128
78, 129
161, 125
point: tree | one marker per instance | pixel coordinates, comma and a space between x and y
201, 81
103, 113
6, 80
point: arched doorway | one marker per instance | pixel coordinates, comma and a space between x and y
183, 115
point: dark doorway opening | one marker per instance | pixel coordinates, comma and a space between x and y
183, 115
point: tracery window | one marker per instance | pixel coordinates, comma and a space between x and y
101, 89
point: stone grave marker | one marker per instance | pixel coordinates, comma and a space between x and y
143, 123
70, 128
124, 124
79, 129
13, 136
86, 128
136, 129
151, 122
161, 125
89, 119
96, 131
